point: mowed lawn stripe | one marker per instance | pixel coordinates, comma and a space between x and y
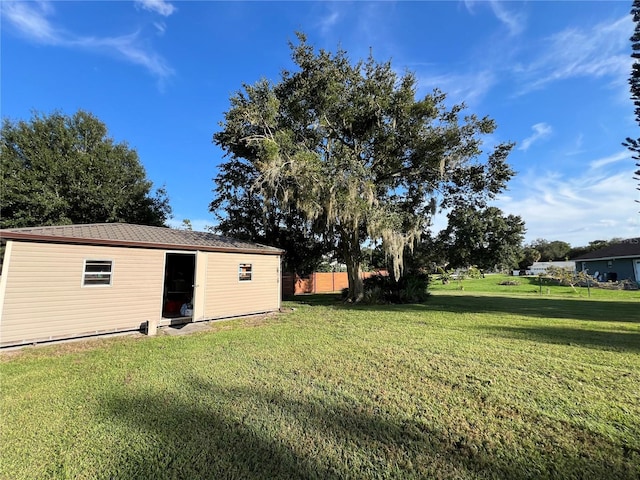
465, 386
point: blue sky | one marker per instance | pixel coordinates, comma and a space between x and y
159, 74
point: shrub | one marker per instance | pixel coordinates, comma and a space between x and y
409, 289
373, 295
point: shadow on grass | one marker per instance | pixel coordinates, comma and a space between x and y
600, 310
609, 340
321, 299
217, 432
576, 309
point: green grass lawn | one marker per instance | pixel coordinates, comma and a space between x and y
531, 285
468, 385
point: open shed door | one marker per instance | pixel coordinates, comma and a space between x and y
200, 286
179, 281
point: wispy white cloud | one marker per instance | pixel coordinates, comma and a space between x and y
514, 21
597, 203
615, 158
131, 50
367, 27
157, 6
576, 147
469, 88
598, 51
161, 27
31, 19
540, 131
328, 21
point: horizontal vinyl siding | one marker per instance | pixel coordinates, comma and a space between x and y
623, 268
45, 299
226, 296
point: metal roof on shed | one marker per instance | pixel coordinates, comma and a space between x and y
128, 235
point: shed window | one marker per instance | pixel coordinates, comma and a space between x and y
97, 273
244, 272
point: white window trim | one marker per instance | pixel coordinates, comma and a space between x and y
83, 283
250, 279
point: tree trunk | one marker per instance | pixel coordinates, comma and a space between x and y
352, 254
356, 287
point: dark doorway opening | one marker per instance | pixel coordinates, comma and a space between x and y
179, 276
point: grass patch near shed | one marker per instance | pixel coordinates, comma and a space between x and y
467, 385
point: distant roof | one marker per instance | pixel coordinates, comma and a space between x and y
124, 234
563, 263
626, 248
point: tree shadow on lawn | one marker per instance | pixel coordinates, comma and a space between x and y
609, 340
591, 310
576, 309
316, 299
223, 432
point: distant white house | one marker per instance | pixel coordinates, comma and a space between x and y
540, 268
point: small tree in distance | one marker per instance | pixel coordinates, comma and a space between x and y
555, 250
567, 276
529, 256
485, 238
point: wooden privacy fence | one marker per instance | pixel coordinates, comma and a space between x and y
319, 282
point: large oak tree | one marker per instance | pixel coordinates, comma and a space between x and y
59, 169
353, 150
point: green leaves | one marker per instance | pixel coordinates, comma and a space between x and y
351, 148
58, 169
485, 238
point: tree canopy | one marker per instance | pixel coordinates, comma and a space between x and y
59, 169
633, 144
529, 256
592, 246
484, 237
244, 213
554, 250
350, 147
